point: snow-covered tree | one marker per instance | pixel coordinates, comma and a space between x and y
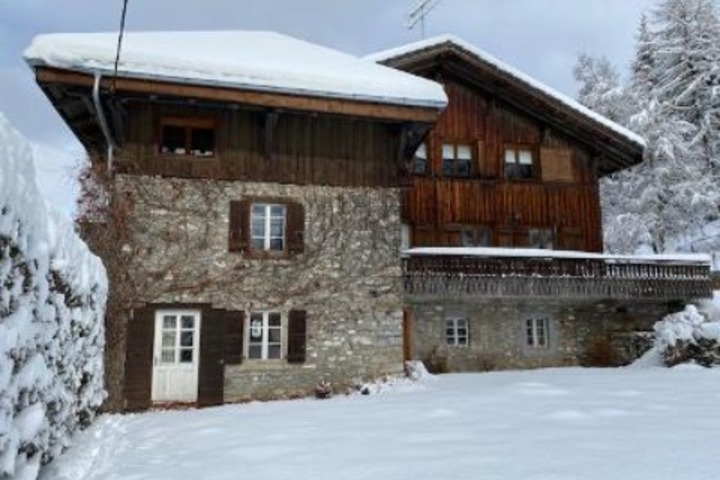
600, 87
673, 95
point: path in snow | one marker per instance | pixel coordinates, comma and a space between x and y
557, 424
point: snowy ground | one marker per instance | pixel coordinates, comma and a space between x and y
552, 425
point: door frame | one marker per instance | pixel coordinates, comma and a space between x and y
157, 349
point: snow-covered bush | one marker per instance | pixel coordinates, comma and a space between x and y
52, 300
688, 336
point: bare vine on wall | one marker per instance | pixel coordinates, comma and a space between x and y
165, 240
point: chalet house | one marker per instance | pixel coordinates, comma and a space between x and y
505, 266
270, 186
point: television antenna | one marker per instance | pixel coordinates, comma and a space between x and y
418, 14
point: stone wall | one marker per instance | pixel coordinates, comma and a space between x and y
348, 279
579, 334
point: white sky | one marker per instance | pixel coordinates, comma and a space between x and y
540, 37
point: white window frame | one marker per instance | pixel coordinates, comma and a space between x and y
453, 338
537, 333
519, 157
264, 335
267, 236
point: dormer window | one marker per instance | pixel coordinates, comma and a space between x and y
457, 160
420, 161
194, 137
519, 163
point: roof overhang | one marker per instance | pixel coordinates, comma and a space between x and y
615, 147
70, 92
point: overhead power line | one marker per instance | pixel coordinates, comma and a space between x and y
119, 44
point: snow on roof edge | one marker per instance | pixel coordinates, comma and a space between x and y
402, 50
250, 87
699, 258
40, 53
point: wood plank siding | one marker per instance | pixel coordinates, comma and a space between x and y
292, 148
561, 196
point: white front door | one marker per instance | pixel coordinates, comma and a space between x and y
176, 356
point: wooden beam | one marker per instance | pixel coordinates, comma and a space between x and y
271, 121
47, 76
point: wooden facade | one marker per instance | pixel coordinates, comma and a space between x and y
561, 196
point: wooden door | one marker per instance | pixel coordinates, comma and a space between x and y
176, 356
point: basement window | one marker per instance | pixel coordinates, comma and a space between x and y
456, 332
193, 137
537, 333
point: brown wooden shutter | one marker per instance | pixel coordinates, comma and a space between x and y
556, 164
211, 371
297, 333
484, 170
239, 229
295, 228
234, 324
139, 359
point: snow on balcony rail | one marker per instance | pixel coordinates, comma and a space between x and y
695, 259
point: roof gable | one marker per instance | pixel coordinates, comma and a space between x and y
246, 60
623, 146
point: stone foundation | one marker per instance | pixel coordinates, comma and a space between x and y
579, 334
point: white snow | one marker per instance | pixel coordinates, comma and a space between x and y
558, 424
508, 70
253, 60
52, 304
696, 258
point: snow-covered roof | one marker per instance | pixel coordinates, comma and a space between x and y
698, 258
249, 60
507, 69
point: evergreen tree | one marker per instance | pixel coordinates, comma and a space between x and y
674, 98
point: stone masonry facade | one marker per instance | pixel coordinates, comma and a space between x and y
348, 279
578, 333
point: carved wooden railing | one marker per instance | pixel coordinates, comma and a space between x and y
461, 276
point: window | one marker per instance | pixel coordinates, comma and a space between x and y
475, 237
178, 338
188, 136
420, 161
456, 332
264, 336
267, 227
537, 334
457, 160
519, 163
541, 238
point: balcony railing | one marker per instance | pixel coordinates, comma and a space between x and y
488, 273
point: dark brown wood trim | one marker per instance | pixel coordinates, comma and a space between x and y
48, 75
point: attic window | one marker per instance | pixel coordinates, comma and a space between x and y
519, 163
457, 160
420, 161
193, 137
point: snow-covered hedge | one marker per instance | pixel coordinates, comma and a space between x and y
688, 336
52, 301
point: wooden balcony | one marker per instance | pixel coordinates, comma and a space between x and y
457, 274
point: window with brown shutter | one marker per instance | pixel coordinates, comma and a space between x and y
266, 227
297, 336
234, 323
239, 230
295, 228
